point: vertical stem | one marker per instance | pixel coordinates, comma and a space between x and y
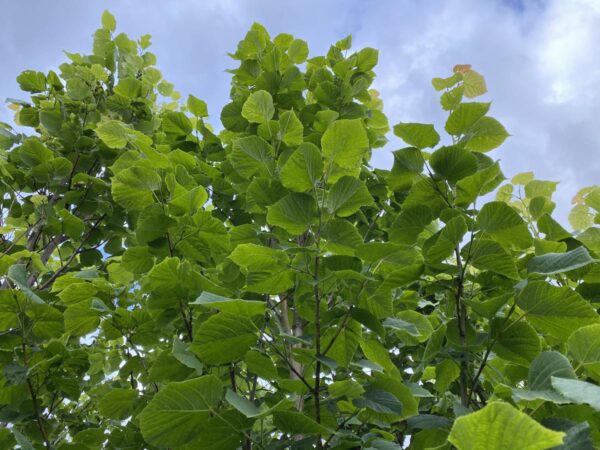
317, 388
232, 377
36, 408
461, 316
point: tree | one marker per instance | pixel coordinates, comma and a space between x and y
167, 286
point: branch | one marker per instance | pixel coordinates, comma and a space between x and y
461, 316
61, 269
488, 350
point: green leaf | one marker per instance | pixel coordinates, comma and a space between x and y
545, 366
345, 143
303, 168
474, 84
485, 254
465, 116
80, 319
442, 244
499, 426
343, 348
294, 213
557, 311
578, 436
410, 223
401, 325
375, 352
33, 152
23, 441
153, 224
243, 405
453, 163
552, 263
480, 183
231, 117
379, 401
176, 124
485, 135
522, 178
291, 129
7, 439
196, 106
540, 188
32, 81
258, 107
180, 410
345, 388
17, 273
185, 357
394, 386
578, 391
298, 51
342, 237
591, 239
417, 134
77, 292
115, 134
223, 338
539, 206
517, 341
347, 196
261, 365
252, 156
118, 403
406, 322
446, 83
504, 225
401, 277
137, 259
367, 58
488, 307
452, 98
250, 255
108, 21
584, 346
246, 307
297, 423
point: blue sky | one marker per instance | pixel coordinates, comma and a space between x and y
540, 58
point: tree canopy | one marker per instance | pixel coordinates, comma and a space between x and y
167, 285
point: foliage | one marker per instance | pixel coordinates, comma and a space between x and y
165, 286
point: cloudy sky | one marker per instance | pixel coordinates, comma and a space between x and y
541, 59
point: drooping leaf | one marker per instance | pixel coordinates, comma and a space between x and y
486, 254
223, 338
453, 163
578, 391
552, 263
547, 365
290, 128
417, 135
465, 116
347, 195
504, 224
118, 403
294, 213
297, 423
258, 107
303, 168
557, 311
499, 426
175, 414
345, 143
